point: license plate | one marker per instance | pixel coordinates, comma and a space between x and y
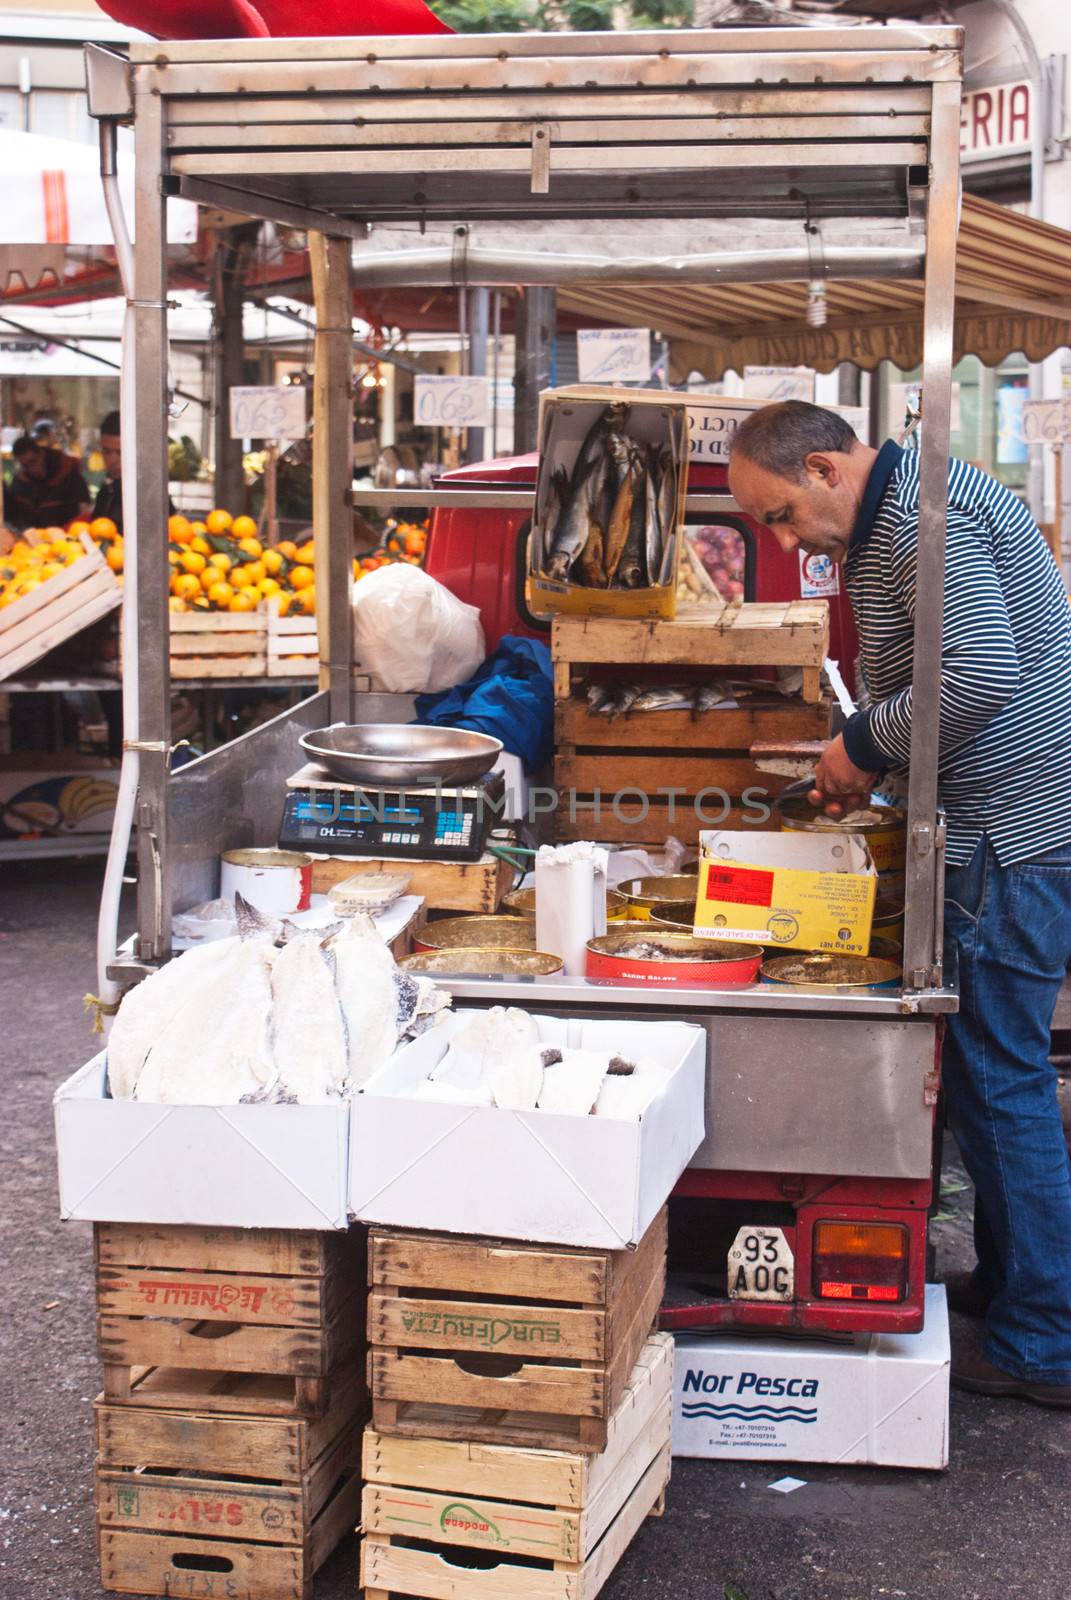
761, 1265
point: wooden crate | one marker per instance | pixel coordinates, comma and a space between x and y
219, 644
445, 885
179, 1564
293, 649
59, 608
506, 1343
230, 1302
792, 633
632, 757
555, 1522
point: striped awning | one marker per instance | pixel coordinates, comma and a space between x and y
1013, 293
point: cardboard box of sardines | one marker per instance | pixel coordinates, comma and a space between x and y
613, 475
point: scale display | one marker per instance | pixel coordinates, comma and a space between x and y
446, 825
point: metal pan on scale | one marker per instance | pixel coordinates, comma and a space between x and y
386, 754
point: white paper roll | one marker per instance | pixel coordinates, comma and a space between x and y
570, 883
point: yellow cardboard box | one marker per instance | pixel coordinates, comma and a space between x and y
789, 890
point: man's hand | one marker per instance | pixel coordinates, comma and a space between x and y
839, 785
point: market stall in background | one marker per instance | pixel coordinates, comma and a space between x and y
504, 978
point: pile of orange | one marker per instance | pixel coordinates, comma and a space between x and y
404, 541
41, 554
220, 565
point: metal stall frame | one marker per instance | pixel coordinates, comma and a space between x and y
819, 151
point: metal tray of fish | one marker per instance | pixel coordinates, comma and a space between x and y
384, 753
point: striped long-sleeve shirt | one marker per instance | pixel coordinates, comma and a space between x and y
1005, 748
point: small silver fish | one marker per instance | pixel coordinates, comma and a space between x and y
671, 697
578, 526
652, 527
711, 695
667, 515
599, 697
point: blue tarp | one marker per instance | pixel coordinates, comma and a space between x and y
511, 697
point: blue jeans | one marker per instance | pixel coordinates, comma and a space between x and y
1011, 927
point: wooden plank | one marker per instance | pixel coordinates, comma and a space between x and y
218, 666
651, 1251
336, 1522
255, 1394
212, 1296
540, 1531
628, 772
209, 1507
641, 1504
218, 622
298, 667
737, 729
543, 1477
173, 1564
794, 633
51, 635
507, 1329
98, 580
477, 1266
192, 644
290, 1252
560, 1391
445, 885
221, 1347
46, 593
476, 1424
143, 1436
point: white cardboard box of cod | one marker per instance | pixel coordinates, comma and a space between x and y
881, 1400
244, 1166
534, 1175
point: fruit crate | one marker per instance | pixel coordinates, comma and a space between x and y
57, 609
292, 643
219, 644
555, 1522
505, 1343
283, 1308
187, 1500
611, 771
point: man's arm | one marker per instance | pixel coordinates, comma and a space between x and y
979, 662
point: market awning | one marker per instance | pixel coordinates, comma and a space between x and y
1013, 293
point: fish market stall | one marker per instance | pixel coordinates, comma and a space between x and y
504, 1145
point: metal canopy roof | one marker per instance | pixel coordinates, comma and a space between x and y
1013, 293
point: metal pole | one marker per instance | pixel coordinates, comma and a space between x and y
495, 351
479, 325
922, 962
148, 453
332, 465
535, 326
229, 348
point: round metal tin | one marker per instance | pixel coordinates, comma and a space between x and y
832, 971
693, 963
521, 902
480, 961
489, 933
885, 832
644, 895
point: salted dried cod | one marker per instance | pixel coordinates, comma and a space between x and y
571, 1086
481, 1044
308, 1034
215, 1049
377, 1005
149, 1009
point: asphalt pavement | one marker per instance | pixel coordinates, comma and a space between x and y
995, 1526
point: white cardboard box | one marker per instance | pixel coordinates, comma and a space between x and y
528, 1174
881, 1400
265, 1166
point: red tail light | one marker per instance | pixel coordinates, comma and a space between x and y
860, 1261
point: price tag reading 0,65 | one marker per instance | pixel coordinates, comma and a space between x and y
263, 412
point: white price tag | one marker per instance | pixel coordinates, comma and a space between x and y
779, 383
267, 412
1046, 421
614, 355
440, 402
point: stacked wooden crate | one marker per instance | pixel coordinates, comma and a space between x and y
219, 644
293, 649
608, 770
521, 1414
229, 1429
57, 609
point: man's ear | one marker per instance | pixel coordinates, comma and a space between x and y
823, 466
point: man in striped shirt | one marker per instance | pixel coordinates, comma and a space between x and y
1005, 784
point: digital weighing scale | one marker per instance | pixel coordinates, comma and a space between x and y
448, 822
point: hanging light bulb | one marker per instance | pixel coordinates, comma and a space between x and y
817, 308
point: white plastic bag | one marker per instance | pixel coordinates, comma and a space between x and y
412, 634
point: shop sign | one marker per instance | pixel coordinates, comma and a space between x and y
613, 355
451, 402
779, 383
995, 121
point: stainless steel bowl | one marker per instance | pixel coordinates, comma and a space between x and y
393, 753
